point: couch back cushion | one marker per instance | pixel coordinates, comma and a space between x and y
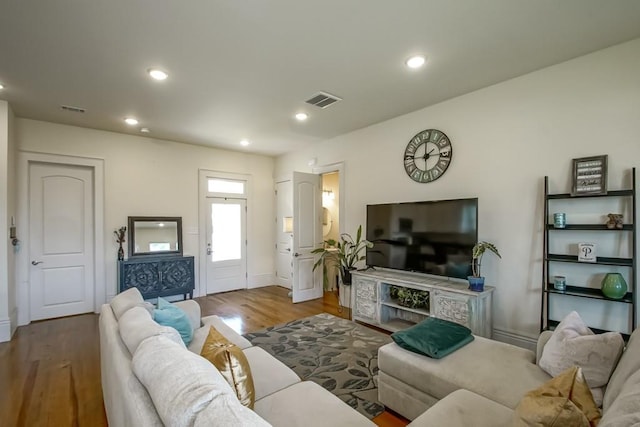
180, 383
136, 325
625, 409
126, 400
125, 300
628, 365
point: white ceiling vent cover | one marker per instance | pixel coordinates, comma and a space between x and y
323, 99
73, 109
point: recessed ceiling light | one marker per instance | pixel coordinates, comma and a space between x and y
1, 86
144, 130
131, 121
302, 117
244, 143
157, 74
415, 61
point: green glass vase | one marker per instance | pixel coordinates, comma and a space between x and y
614, 286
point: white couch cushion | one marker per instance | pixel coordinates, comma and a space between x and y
200, 334
126, 300
625, 409
269, 374
306, 404
573, 343
629, 364
136, 325
465, 408
486, 367
224, 411
180, 383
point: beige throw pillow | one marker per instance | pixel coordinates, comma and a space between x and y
560, 402
573, 343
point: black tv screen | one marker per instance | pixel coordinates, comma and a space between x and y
434, 237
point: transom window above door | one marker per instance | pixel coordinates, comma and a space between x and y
226, 186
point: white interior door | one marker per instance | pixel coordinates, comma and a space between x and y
284, 221
307, 235
61, 246
226, 245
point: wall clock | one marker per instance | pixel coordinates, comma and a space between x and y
427, 155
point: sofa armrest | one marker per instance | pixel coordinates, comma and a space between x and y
542, 341
192, 309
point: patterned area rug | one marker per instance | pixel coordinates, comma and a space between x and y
340, 355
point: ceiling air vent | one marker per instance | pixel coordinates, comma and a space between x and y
323, 99
73, 109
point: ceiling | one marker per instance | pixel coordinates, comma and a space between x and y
240, 69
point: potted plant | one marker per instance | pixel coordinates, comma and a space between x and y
344, 254
476, 282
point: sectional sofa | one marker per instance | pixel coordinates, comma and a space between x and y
149, 377
482, 383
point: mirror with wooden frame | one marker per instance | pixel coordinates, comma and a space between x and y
155, 236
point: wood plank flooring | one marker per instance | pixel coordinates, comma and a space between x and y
50, 371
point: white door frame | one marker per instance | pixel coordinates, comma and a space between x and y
25, 158
336, 167
203, 174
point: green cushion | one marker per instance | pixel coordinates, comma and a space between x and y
433, 337
168, 314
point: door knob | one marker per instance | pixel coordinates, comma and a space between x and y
36, 262
296, 255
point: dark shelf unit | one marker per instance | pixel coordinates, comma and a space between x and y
574, 290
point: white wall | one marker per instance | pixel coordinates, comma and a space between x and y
7, 210
151, 177
505, 139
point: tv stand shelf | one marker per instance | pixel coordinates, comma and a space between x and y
449, 299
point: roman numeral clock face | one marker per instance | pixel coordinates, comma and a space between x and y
427, 155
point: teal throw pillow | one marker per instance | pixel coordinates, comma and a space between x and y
168, 314
433, 337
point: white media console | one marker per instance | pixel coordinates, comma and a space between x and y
449, 299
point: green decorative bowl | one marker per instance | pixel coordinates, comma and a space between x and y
614, 286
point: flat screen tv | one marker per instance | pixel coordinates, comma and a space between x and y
434, 237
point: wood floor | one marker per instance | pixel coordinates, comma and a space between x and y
50, 370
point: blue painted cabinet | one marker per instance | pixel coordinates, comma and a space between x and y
158, 276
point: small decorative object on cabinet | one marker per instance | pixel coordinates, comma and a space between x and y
159, 276
395, 300
616, 254
119, 233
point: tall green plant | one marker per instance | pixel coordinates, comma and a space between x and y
478, 252
344, 253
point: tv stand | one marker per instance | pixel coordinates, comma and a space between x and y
449, 299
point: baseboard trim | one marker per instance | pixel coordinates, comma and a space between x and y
515, 339
5, 330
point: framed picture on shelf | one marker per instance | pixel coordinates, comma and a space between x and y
587, 252
589, 176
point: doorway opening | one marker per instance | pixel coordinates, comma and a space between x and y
331, 219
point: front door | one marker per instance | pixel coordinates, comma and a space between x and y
226, 245
61, 243
307, 235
